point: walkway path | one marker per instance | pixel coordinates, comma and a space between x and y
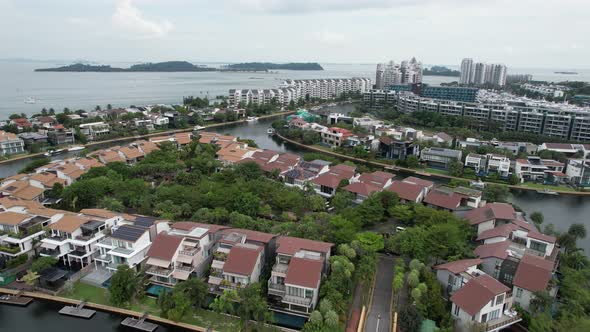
378, 319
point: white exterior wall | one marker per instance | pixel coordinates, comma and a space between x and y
486, 225
489, 266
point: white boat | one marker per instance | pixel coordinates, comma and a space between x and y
198, 128
547, 192
251, 118
270, 131
30, 100
76, 148
54, 152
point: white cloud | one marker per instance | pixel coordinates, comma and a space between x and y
131, 20
309, 6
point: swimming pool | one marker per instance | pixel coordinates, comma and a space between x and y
106, 283
155, 290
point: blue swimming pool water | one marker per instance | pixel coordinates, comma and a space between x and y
155, 290
106, 283
289, 321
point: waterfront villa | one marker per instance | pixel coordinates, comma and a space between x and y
19, 231
297, 273
367, 183
127, 244
327, 183
454, 275
10, 144
483, 301
305, 171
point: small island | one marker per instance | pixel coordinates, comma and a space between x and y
566, 72
182, 66
440, 71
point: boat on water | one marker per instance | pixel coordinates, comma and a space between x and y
478, 184
30, 100
270, 131
76, 148
547, 192
54, 152
251, 119
198, 128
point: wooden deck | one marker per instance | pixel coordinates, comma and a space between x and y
77, 311
139, 323
22, 301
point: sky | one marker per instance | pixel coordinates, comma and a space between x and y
519, 33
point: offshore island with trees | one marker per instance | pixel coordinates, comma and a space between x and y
183, 66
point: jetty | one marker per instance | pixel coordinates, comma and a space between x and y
78, 311
139, 323
17, 299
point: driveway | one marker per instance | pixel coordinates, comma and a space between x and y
378, 318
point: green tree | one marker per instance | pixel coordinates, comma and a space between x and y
341, 230
496, 193
371, 210
341, 200
42, 263
403, 213
224, 303
410, 318
31, 278
416, 294
252, 305
578, 231
412, 162
537, 217
369, 242
456, 168
123, 285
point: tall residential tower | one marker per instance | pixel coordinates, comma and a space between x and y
481, 73
391, 73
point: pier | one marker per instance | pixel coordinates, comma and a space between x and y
16, 299
139, 323
78, 311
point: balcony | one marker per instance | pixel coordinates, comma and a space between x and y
160, 272
79, 253
189, 252
10, 249
57, 237
280, 268
306, 302
276, 289
502, 322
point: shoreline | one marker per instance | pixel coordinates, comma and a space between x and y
105, 308
167, 132
394, 168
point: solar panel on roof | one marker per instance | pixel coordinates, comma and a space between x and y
144, 221
128, 233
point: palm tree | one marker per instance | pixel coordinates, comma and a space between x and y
567, 241
578, 231
31, 278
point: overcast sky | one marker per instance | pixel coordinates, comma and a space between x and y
520, 33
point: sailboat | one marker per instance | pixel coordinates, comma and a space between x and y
30, 100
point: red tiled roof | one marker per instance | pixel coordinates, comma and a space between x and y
290, 245
418, 181
542, 237
329, 179
497, 250
523, 224
189, 226
444, 200
533, 273
164, 246
242, 259
477, 292
342, 168
361, 188
491, 211
304, 272
405, 190
459, 266
500, 231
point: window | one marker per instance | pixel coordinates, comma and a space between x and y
538, 246
494, 314
508, 278
456, 313
451, 279
518, 292
499, 299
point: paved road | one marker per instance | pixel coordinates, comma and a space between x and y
378, 319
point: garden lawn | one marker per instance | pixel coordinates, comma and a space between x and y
89, 293
547, 186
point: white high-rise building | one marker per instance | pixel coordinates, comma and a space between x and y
466, 71
387, 74
482, 73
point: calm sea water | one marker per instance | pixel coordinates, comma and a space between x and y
86, 90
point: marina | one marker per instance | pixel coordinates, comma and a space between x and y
16, 300
77, 311
139, 323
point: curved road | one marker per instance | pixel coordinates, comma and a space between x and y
378, 319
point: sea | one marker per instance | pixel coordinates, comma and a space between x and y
57, 90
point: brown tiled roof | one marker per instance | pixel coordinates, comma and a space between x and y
304, 272
29, 192
42, 211
6, 136
183, 138
477, 292
101, 213
542, 237
533, 273
500, 231
68, 223
9, 202
88, 162
491, 211
242, 259
459, 266
164, 246
405, 190
290, 245
131, 153
497, 250
44, 177
442, 199
189, 226
333, 177
146, 146
76, 174
109, 156
12, 218
361, 188
15, 186
421, 182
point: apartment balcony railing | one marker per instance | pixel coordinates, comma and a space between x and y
160, 272
280, 268
185, 268
297, 300
501, 322
189, 252
57, 237
78, 253
276, 289
49, 252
